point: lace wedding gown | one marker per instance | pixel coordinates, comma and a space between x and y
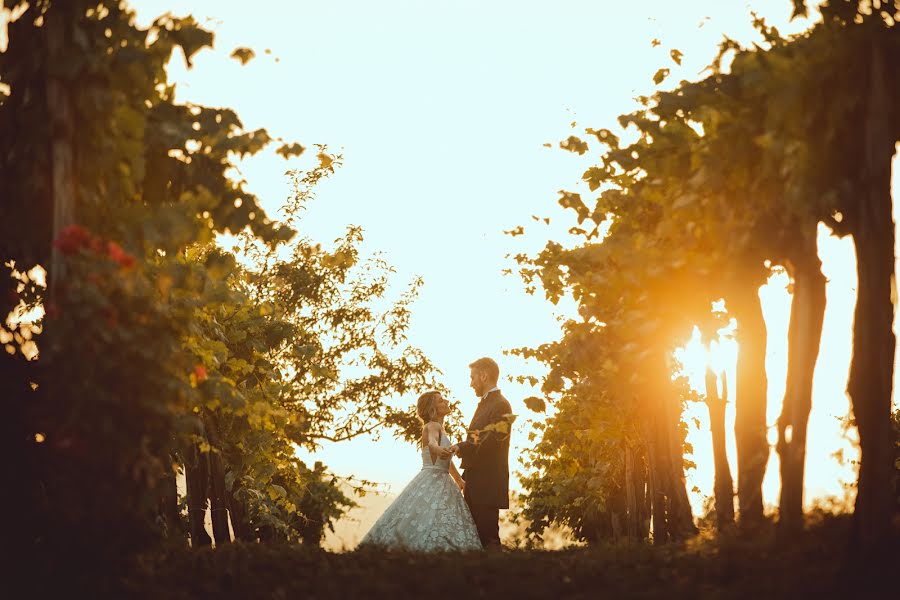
429, 515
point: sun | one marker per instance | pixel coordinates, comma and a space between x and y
696, 355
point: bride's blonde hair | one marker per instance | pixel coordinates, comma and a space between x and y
426, 406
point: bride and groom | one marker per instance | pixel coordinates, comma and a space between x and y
441, 509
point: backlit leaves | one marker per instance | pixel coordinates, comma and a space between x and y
573, 201
289, 150
536, 404
574, 144
165, 332
244, 55
715, 182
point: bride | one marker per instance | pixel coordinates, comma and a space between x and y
430, 513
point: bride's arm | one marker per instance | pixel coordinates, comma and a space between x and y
457, 477
433, 440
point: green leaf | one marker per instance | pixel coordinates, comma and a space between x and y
277, 492
219, 265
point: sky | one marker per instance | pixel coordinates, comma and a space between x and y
441, 110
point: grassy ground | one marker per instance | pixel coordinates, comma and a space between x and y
816, 566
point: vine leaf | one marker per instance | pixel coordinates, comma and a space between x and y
535, 404
660, 76
244, 55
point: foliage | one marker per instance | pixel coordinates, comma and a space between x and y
721, 178
108, 379
308, 350
575, 473
88, 396
134, 336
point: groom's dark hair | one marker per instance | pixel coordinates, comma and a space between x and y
488, 367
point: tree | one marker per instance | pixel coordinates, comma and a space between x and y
849, 52
725, 178
100, 386
155, 348
306, 349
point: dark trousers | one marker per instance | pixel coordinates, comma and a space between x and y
487, 522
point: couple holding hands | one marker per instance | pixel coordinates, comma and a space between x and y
441, 510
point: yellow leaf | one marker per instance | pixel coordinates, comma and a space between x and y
324, 160
164, 284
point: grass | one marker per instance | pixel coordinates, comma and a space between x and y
817, 565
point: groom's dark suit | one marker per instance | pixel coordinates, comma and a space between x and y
485, 463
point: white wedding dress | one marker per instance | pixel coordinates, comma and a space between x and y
429, 515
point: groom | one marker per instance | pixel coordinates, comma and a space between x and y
485, 453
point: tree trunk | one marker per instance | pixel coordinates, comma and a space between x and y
218, 497
645, 497
196, 475
872, 367
750, 405
672, 518
218, 502
615, 522
240, 520
168, 506
724, 484
632, 512
657, 498
62, 160
679, 516
804, 336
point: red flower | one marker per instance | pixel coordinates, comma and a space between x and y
72, 239
200, 373
116, 253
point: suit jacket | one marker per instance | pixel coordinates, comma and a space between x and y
485, 457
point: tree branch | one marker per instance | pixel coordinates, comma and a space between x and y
348, 436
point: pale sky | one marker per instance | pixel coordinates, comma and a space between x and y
441, 109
